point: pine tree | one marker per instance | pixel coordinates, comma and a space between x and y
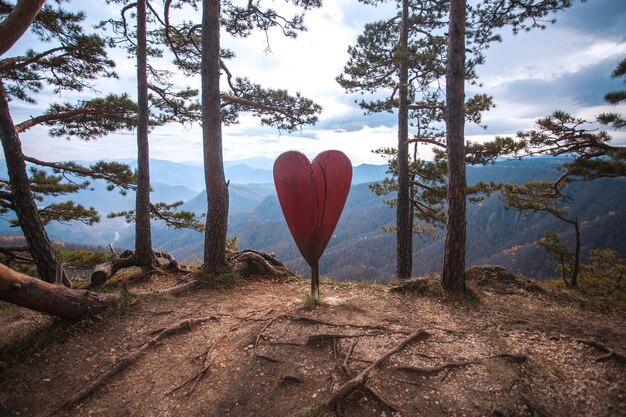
73, 60
482, 20
377, 63
562, 134
198, 47
171, 105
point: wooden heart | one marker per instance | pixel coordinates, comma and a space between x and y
312, 196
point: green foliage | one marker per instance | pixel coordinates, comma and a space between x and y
534, 196
616, 97
65, 180
67, 59
67, 212
43, 184
167, 103
167, 213
82, 258
231, 244
605, 275
241, 21
553, 245
544, 196
601, 284
92, 118
72, 61
373, 67
220, 282
274, 107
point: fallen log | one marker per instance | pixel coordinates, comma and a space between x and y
57, 300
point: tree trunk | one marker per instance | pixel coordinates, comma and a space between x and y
216, 187
143, 237
58, 300
17, 22
453, 276
576, 255
403, 211
24, 204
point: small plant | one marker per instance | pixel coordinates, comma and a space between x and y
226, 280
311, 301
317, 409
231, 244
601, 285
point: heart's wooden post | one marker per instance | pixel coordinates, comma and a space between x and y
315, 279
312, 196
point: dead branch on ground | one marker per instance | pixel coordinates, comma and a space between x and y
104, 271
183, 326
359, 382
58, 300
609, 353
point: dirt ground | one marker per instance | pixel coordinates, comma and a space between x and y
253, 350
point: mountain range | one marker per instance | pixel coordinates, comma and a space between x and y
359, 248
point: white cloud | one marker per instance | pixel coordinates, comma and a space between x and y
310, 64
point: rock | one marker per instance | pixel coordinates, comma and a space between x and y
496, 276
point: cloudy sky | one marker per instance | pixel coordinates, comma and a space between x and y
566, 67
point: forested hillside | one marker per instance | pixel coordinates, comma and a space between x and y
360, 249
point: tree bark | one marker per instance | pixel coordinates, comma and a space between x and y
58, 300
143, 236
576, 255
17, 22
25, 207
453, 276
216, 187
404, 237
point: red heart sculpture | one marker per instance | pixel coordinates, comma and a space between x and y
312, 196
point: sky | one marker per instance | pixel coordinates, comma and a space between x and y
564, 67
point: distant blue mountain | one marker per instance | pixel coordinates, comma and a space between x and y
359, 249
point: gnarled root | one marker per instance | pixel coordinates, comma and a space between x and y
250, 262
103, 272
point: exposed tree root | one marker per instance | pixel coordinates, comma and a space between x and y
183, 326
358, 382
289, 379
173, 263
511, 357
17, 254
345, 365
609, 353
104, 271
206, 365
180, 289
315, 338
374, 393
267, 357
376, 330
